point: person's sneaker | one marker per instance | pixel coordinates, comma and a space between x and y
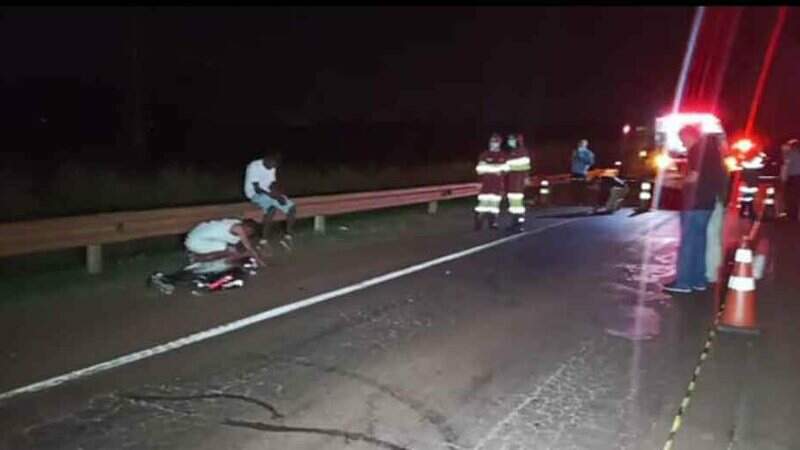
700, 288
157, 280
287, 242
264, 249
672, 287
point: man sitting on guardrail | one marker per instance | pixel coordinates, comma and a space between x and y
260, 187
214, 246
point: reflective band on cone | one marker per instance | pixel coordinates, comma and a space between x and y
742, 284
744, 255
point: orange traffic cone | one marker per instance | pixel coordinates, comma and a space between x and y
739, 315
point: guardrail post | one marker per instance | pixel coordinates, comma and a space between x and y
319, 224
433, 207
94, 258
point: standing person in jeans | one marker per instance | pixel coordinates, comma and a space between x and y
260, 187
582, 160
790, 175
704, 182
715, 231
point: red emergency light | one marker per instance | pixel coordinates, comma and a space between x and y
743, 145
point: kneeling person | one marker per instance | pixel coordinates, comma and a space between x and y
213, 247
615, 190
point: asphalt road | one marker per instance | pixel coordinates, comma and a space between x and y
558, 339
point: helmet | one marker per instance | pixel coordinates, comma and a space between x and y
495, 141
513, 140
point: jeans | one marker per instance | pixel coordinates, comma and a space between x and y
266, 203
692, 251
578, 188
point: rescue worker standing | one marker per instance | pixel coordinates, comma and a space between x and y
519, 166
491, 169
752, 166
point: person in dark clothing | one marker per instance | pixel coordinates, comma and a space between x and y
790, 175
582, 160
705, 181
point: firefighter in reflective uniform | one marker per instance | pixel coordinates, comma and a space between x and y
748, 188
491, 170
519, 166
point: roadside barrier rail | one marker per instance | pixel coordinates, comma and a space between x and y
92, 231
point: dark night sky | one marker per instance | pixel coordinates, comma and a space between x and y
550, 67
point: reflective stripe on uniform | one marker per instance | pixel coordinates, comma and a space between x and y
515, 196
490, 197
521, 160
519, 164
644, 195
484, 168
516, 210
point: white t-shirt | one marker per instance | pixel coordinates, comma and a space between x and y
212, 236
257, 173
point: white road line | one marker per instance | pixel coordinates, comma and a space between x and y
260, 317
529, 398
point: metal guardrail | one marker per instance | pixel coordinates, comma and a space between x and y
92, 231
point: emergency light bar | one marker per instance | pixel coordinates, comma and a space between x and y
669, 125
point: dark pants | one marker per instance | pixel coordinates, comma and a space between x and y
578, 189
691, 270
792, 196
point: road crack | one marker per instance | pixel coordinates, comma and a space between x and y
152, 401
207, 396
436, 419
347, 435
